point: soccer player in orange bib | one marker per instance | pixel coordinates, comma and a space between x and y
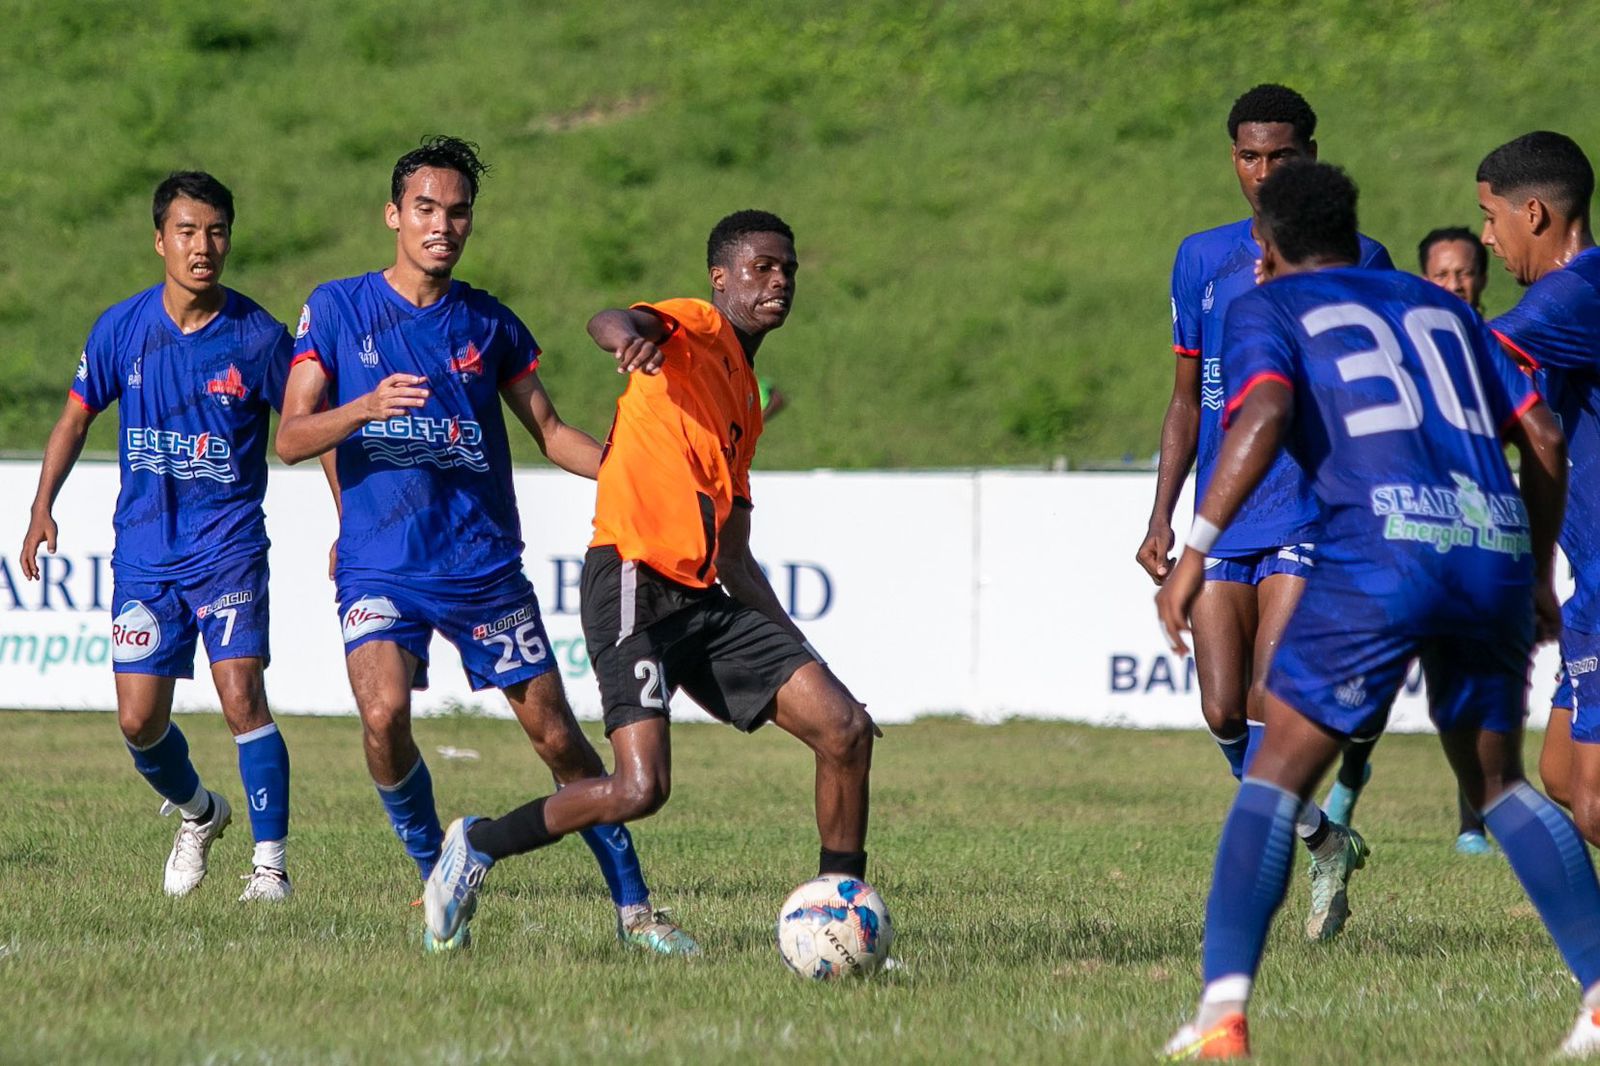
672, 597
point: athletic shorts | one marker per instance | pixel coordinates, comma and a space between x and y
1344, 657
499, 632
649, 636
155, 624
1563, 695
1580, 657
1296, 560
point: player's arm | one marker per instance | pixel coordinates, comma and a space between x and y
304, 431
1542, 448
1180, 440
566, 446
743, 577
1260, 426
631, 336
330, 470
60, 454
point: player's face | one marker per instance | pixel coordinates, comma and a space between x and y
757, 289
194, 240
1508, 232
433, 220
1453, 266
1262, 147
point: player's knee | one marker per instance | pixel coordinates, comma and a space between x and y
1224, 718
1554, 778
639, 795
1586, 813
244, 699
385, 721
848, 738
140, 726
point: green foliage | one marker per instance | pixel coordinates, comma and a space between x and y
1047, 883
987, 195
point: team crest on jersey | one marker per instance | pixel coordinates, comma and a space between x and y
83, 366
227, 387
369, 614
1454, 516
304, 325
135, 633
369, 354
469, 364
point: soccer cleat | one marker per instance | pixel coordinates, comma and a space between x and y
186, 863
1228, 1039
1470, 843
658, 933
1340, 806
1584, 1040
266, 882
1330, 877
462, 940
450, 895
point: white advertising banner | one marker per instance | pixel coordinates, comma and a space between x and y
989, 594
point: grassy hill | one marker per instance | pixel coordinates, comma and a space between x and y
987, 195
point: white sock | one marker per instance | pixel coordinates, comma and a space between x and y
1222, 997
269, 853
197, 804
632, 914
1308, 819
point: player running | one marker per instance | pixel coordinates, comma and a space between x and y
672, 519
1535, 193
401, 373
1392, 394
1256, 572
193, 367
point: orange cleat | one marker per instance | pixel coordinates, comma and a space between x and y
1228, 1039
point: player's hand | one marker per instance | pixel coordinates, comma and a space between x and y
41, 530
641, 355
1546, 613
1177, 596
395, 397
1155, 554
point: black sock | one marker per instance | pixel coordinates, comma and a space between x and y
1471, 820
851, 863
1320, 834
209, 813
512, 834
1353, 770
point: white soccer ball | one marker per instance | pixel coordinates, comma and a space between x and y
834, 926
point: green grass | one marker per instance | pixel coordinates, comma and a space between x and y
1046, 881
987, 195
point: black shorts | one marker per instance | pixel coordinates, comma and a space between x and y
649, 636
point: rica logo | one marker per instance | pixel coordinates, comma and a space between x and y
135, 634
369, 614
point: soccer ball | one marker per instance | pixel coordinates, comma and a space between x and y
834, 926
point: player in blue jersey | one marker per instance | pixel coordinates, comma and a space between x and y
401, 373
194, 369
1535, 193
1394, 398
1257, 571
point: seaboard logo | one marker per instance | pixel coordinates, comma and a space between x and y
369, 614
135, 634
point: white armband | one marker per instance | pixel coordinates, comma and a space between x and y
1202, 535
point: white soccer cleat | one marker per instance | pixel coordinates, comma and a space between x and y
266, 883
186, 864
1584, 1040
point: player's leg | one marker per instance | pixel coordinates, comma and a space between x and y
1224, 621
816, 709
1555, 757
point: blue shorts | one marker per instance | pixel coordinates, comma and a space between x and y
1580, 656
155, 624
499, 633
1296, 560
1563, 694
1345, 653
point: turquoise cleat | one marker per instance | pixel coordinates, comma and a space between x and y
1470, 843
659, 934
1330, 879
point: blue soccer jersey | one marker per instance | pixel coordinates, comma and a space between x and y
192, 441
1556, 330
427, 496
1213, 268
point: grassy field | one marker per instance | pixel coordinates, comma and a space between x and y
1046, 880
987, 195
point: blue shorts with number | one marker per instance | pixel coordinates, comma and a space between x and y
1345, 653
1296, 560
155, 624
1580, 655
498, 632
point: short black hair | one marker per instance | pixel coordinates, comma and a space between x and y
196, 185
446, 153
1550, 163
1310, 210
734, 228
1273, 103
1452, 233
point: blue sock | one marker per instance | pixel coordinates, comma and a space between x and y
414, 817
165, 764
1550, 860
264, 769
1252, 744
1254, 858
1234, 751
619, 863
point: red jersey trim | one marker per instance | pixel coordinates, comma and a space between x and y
73, 395
1260, 379
1522, 408
310, 355
1191, 353
519, 375
1528, 361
